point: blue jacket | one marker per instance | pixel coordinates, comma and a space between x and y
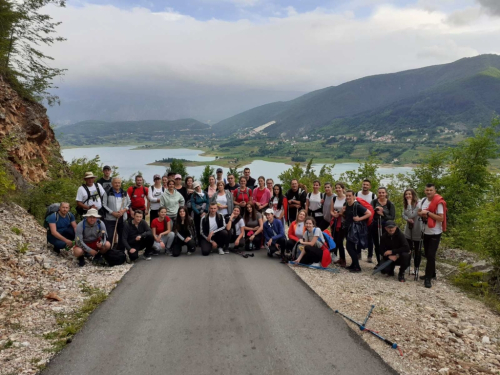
199, 204
277, 225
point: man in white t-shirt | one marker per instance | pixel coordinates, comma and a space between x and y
366, 194
432, 210
89, 195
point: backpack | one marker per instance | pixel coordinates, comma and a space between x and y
322, 197
329, 241
53, 208
115, 257
246, 192
369, 207
98, 228
80, 211
134, 188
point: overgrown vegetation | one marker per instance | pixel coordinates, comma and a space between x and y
177, 166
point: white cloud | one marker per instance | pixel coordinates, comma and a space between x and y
169, 51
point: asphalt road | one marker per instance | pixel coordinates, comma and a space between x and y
221, 314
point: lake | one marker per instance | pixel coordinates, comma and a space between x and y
130, 161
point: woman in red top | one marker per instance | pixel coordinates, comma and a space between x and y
162, 232
242, 195
261, 195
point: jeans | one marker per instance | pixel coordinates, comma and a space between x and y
68, 233
167, 240
221, 238
178, 244
431, 244
351, 249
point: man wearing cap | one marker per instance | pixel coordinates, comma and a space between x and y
137, 235
105, 180
90, 238
219, 176
89, 195
394, 246
274, 234
213, 232
155, 192
138, 195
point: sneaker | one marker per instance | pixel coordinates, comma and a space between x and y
81, 261
342, 263
147, 256
226, 251
269, 254
221, 252
401, 277
369, 260
334, 258
189, 253
349, 267
355, 270
155, 252
427, 283
316, 265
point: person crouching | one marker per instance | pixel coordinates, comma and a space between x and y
90, 238
213, 232
394, 246
137, 235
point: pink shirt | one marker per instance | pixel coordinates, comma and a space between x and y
261, 196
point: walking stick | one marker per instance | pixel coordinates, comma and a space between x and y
116, 226
367, 317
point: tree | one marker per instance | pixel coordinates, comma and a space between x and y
21, 59
177, 166
306, 176
366, 170
235, 172
207, 172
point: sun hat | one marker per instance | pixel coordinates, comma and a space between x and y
196, 184
269, 211
156, 177
177, 176
390, 224
92, 213
89, 175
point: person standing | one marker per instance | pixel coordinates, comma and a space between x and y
278, 203
164, 181
274, 235
188, 183
366, 194
171, 200
155, 192
213, 233
314, 205
413, 229
432, 209
178, 186
105, 180
223, 199
90, 238
185, 233
62, 226
243, 194
338, 226
211, 188
296, 198
137, 235
220, 177
138, 195
327, 205
393, 246
231, 183
161, 227
353, 212
250, 179
199, 205
116, 204
384, 211
253, 228
270, 184
89, 195
261, 195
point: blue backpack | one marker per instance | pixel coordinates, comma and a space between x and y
329, 241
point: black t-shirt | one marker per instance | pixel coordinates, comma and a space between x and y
251, 183
231, 188
298, 195
183, 191
349, 213
106, 184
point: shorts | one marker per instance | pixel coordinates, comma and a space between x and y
93, 244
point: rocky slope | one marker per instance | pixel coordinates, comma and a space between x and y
26, 135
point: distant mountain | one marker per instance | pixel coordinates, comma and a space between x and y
457, 95
102, 132
110, 104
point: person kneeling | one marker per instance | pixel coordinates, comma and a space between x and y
162, 232
311, 244
274, 234
90, 238
213, 232
394, 246
137, 235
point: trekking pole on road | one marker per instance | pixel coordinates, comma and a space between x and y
367, 317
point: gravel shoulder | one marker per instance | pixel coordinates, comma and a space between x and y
440, 330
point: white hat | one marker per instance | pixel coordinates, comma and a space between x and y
89, 175
196, 184
92, 212
269, 211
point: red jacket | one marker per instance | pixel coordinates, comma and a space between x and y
436, 201
291, 231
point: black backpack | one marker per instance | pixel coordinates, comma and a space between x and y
80, 211
115, 257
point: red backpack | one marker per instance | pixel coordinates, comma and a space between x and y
369, 207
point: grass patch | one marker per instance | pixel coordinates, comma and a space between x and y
476, 285
7, 345
22, 248
71, 323
16, 230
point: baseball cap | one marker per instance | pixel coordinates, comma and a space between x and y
106, 167
269, 211
156, 177
390, 224
196, 184
178, 176
219, 170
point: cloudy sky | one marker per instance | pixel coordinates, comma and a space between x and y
291, 45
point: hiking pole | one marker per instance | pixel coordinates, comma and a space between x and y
332, 270
388, 342
366, 319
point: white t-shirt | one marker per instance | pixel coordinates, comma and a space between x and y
277, 213
238, 226
222, 200
367, 197
95, 199
339, 203
154, 196
308, 237
212, 223
315, 203
299, 230
438, 229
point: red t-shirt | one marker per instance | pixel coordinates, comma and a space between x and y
160, 227
241, 195
138, 197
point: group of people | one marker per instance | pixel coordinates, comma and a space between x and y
249, 214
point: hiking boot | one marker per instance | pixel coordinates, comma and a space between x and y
401, 277
427, 283
369, 260
81, 261
146, 256
342, 263
221, 252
